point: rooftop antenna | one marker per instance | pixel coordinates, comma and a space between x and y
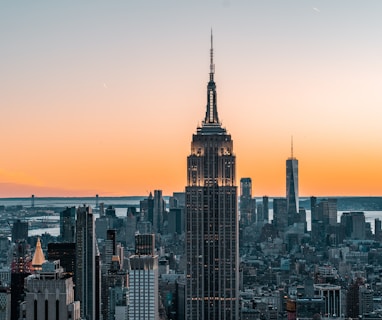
291, 147
212, 66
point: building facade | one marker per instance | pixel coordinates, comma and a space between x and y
292, 188
143, 280
49, 295
212, 278
245, 200
86, 273
67, 224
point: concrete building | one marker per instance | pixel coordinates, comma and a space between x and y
143, 280
332, 295
49, 295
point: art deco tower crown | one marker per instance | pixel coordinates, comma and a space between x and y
211, 123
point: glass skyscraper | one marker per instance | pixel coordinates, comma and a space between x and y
86, 273
292, 188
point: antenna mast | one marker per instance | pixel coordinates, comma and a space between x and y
291, 147
212, 66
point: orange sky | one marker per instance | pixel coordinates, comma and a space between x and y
104, 97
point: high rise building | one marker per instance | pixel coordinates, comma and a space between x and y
327, 211
21, 268
116, 305
67, 224
86, 268
19, 231
146, 207
333, 297
66, 253
377, 229
212, 272
280, 216
159, 209
176, 220
109, 251
131, 226
49, 295
265, 209
143, 280
352, 298
354, 224
292, 187
245, 200
359, 225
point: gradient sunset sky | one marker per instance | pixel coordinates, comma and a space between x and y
104, 96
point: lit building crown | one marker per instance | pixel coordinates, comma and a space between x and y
38, 258
211, 123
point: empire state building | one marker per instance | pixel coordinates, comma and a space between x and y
212, 284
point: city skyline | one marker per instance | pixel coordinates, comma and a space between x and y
100, 98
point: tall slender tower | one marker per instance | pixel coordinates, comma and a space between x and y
86, 269
246, 201
212, 287
292, 187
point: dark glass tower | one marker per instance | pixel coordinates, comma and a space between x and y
292, 187
67, 224
86, 273
246, 200
212, 287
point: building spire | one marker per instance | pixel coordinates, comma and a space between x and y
212, 66
38, 258
291, 147
211, 118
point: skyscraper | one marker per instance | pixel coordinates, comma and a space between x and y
143, 280
19, 231
147, 208
67, 224
21, 267
66, 253
49, 294
292, 187
212, 286
158, 211
245, 200
86, 273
